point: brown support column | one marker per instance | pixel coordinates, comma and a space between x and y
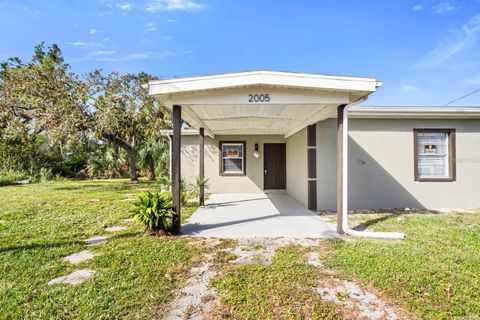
340, 156
177, 126
201, 161
312, 166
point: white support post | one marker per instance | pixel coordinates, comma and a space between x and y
345, 168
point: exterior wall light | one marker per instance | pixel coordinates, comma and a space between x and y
256, 154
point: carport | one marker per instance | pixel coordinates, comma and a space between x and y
264, 103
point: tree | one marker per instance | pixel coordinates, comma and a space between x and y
33, 98
122, 112
44, 97
148, 153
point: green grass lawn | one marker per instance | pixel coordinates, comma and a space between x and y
136, 274
283, 290
434, 271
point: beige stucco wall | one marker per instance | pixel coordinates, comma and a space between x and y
381, 166
251, 182
297, 166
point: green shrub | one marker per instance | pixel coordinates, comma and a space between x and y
10, 177
70, 168
154, 211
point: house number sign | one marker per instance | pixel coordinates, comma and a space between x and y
258, 97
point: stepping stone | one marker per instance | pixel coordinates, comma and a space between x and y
76, 258
96, 240
314, 260
22, 182
76, 277
128, 220
115, 228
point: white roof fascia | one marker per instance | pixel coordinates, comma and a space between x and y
185, 132
273, 78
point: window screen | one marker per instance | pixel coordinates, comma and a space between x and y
233, 160
432, 152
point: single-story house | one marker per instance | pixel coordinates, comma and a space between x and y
308, 135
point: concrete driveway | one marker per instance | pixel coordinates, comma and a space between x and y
237, 215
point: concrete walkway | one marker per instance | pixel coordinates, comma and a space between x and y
238, 215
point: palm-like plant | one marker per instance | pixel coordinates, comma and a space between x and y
154, 211
201, 183
106, 162
151, 153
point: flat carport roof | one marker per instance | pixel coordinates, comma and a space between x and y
263, 102
259, 102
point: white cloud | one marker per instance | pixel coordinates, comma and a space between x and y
408, 88
133, 56
103, 53
459, 40
83, 44
418, 7
136, 56
170, 20
442, 7
78, 43
174, 5
93, 31
125, 6
107, 3
28, 9
151, 26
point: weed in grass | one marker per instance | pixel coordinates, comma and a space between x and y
342, 296
207, 298
258, 246
188, 312
224, 257
226, 244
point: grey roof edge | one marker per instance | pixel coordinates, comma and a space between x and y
445, 112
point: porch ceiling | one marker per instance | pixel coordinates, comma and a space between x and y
259, 102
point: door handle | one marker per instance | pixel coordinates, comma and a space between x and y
265, 171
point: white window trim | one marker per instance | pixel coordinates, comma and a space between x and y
445, 157
242, 145
450, 153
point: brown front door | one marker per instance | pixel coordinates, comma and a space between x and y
274, 166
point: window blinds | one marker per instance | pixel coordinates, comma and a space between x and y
433, 155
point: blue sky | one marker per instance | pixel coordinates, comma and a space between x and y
426, 52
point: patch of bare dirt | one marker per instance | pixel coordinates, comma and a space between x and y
356, 303
197, 298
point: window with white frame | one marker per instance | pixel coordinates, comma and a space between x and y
232, 160
434, 151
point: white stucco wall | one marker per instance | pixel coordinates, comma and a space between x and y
251, 182
381, 166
